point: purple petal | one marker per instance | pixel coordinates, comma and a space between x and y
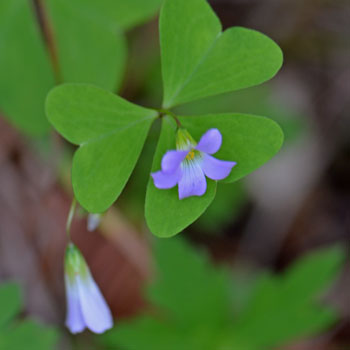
172, 160
74, 319
97, 316
192, 182
216, 169
166, 180
210, 142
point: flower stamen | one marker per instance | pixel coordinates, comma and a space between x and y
190, 155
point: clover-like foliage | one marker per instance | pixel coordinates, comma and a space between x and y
198, 60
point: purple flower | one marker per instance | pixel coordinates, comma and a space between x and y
188, 165
86, 306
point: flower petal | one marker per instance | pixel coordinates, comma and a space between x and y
166, 180
74, 319
172, 160
210, 142
192, 182
216, 169
97, 316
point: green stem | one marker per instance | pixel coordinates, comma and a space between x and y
163, 111
70, 217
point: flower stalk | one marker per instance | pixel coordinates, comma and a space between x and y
163, 111
70, 218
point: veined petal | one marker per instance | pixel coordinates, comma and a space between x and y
172, 160
74, 319
192, 182
166, 180
216, 169
96, 313
210, 142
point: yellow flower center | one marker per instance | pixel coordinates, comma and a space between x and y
190, 155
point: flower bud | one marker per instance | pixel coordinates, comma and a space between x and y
86, 306
184, 140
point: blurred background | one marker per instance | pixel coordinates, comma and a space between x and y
297, 202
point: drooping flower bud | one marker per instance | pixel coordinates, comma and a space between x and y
86, 306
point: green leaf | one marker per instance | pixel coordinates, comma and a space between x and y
191, 306
199, 60
259, 100
166, 215
147, 333
313, 273
249, 140
129, 13
21, 334
91, 49
110, 131
134, 12
151, 335
182, 276
286, 308
10, 302
246, 139
28, 335
24, 68
191, 300
115, 13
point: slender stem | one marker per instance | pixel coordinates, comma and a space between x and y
45, 24
70, 217
163, 111
48, 35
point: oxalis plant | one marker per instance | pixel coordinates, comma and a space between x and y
193, 152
